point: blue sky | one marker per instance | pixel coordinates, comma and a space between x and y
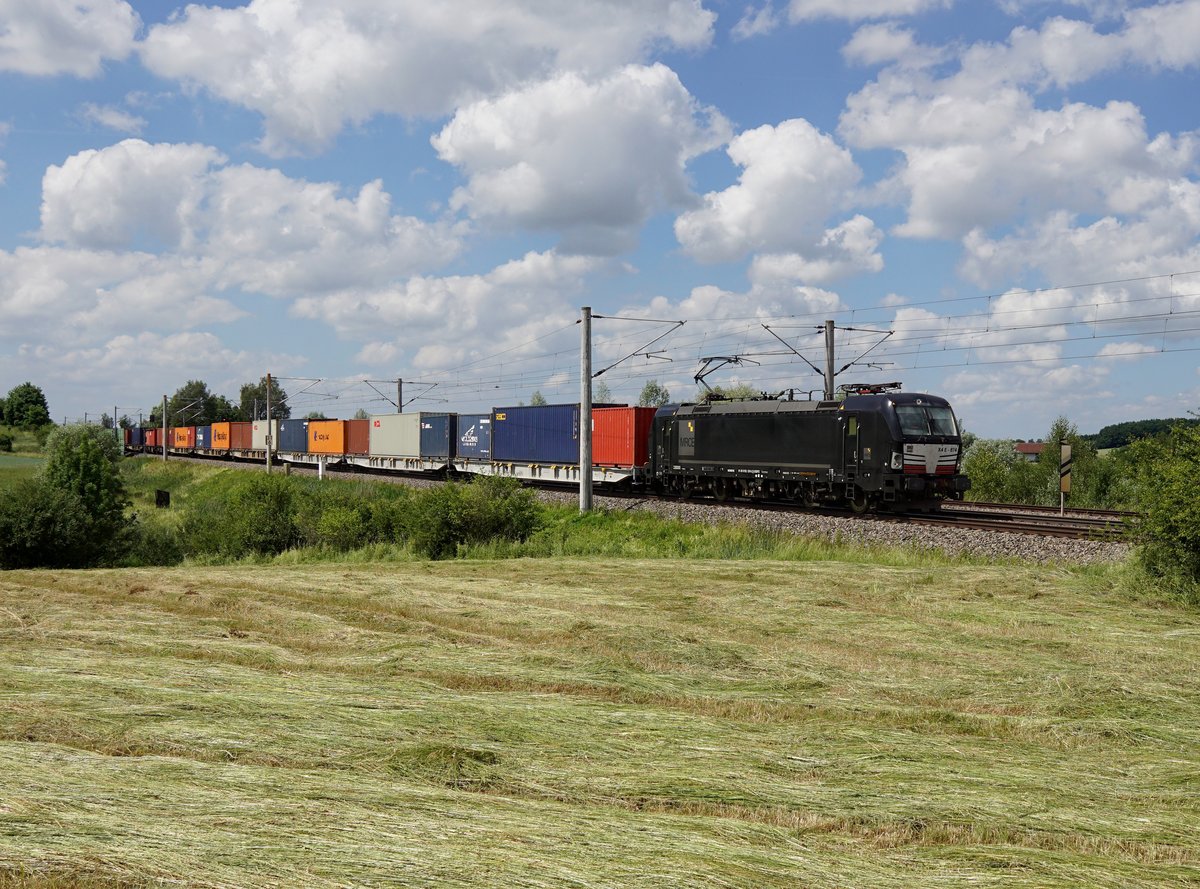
340, 190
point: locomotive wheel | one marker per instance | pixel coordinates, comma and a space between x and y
859, 503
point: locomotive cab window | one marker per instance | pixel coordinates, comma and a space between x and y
852, 426
926, 419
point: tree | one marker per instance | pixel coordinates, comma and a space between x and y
1169, 500
537, 398
26, 407
654, 394
601, 394
82, 466
313, 415
361, 414
253, 396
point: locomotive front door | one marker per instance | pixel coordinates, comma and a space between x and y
850, 446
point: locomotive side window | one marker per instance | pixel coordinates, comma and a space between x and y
916, 419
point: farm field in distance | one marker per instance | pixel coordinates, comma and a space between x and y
587, 723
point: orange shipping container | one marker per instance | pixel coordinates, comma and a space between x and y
621, 435
241, 436
220, 437
358, 435
327, 436
183, 436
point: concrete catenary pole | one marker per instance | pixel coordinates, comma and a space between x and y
400, 396
164, 432
585, 411
270, 441
829, 360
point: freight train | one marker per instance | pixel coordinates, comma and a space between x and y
872, 449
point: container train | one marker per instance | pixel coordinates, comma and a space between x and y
873, 449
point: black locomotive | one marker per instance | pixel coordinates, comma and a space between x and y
874, 449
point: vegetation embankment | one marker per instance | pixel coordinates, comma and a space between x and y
591, 722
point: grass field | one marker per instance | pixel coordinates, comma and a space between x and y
595, 723
15, 468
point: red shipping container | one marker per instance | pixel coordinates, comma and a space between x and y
358, 435
241, 436
621, 435
152, 437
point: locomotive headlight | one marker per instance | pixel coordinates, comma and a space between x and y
897, 460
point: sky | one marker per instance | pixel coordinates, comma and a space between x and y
996, 201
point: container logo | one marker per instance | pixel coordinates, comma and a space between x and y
376, 424
500, 417
470, 438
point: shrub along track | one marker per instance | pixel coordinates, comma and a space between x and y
1011, 535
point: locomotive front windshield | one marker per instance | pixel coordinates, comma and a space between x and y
926, 419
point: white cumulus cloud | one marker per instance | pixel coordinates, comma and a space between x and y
310, 67
48, 37
794, 177
590, 159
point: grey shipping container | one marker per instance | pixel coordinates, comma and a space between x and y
474, 439
395, 435
258, 435
536, 434
204, 437
438, 434
293, 436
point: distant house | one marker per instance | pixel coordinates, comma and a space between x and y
1029, 450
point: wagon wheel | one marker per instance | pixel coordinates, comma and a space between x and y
722, 489
860, 503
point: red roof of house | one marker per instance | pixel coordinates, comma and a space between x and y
1030, 447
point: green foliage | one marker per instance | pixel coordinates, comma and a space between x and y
601, 394
1118, 435
315, 415
43, 526
251, 514
254, 395
25, 407
654, 394
1169, 501
537, 399
998, 473
6, 443
83, 462
488, 509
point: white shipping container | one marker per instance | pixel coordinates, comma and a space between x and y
395, 435
258, 435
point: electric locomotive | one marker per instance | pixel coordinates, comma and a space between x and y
876, 449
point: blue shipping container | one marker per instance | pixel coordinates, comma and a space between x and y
293, 436
438, 434
137, 437
204, 436
543, 434
474, 436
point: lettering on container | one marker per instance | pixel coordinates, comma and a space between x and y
469, 438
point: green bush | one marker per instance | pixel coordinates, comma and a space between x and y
252, 514
45, 526
1168, 531
342, 528
6, 443
487, 509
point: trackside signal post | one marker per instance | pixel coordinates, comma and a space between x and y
1064, 477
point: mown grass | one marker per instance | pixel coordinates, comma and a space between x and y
595, 722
